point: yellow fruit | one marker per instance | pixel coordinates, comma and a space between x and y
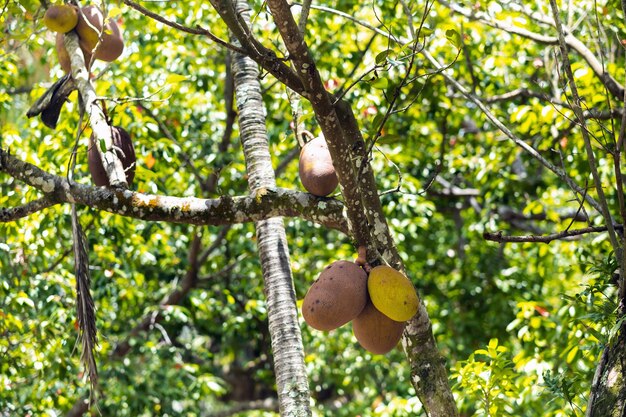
60, 18
336, 297
376, 332
392, 293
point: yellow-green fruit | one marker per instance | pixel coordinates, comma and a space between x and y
392, 293
376, 332
336, 297
60, 18
90, 23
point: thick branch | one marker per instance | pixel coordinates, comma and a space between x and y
101, 130
326, 116
263, 56
190, 210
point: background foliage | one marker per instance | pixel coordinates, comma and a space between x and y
521, 325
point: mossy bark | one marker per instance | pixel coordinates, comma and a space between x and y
608, 391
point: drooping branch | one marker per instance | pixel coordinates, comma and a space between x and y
190, 210
578, 111
571, 42
504, 129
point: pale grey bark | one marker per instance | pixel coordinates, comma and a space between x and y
288, 352
190, 210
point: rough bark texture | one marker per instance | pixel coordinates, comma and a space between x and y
365, 216
191, 210
608, 391
101, 130
288, 352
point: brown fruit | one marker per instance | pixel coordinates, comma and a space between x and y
64, 57
60, 18
112, 44
317, 172
336, 297
376, 332
125, 151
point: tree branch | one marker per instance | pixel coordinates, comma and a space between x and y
499, 237
13, 213
268, 404
504, 129
576, 107
571, 41
223, 210
97, 120
263, 56
198, 30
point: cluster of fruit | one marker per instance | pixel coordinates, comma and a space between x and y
97, 38
100, 40
378, 304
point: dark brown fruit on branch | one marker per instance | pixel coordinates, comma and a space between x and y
112, 44
317, 172
376, 332
125, 151
336, 297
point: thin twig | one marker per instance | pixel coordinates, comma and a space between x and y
581, 120
499, 237
198, 30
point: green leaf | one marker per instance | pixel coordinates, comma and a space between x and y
381, 58
380, 83
454, 37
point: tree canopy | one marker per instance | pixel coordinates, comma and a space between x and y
491, 133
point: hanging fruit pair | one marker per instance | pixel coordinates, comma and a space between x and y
378, 305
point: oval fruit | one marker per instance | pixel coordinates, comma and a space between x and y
392, 293
317, 172
375, 331
64, 57
125, 151
60, 18
337, 296
90, 21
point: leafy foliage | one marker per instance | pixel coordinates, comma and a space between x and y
520, 325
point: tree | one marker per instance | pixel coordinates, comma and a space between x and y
395, 118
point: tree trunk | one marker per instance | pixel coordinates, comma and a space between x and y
291, 379
608, 391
